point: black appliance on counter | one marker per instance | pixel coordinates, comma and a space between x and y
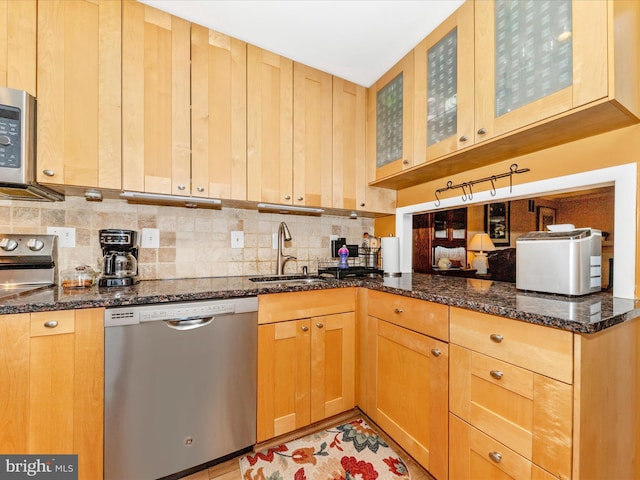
362, 261
120, 258
27, 263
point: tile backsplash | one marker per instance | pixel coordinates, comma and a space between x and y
193, 242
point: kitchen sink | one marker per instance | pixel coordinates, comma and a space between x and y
288, 280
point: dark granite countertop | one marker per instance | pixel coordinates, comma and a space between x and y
586, 314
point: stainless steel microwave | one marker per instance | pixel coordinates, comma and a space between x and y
18, 148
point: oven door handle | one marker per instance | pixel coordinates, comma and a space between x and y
189, 323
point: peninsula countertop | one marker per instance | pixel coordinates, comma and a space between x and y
585, 314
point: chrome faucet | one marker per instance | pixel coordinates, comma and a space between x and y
283, 235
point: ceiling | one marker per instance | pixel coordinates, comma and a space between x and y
358, 40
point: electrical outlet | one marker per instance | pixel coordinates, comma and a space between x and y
66, 235
274, 241
150, 238
237, 239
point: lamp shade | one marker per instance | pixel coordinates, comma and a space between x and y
481, 242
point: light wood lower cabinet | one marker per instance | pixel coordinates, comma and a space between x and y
306, 361
52, 377
408, 374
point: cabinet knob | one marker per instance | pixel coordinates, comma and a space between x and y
181, 187
496, 337
300, 199
49, 173
51, 324
287, 197
495, 456
200, 189
482, 131
362, 205
463, 138
497, 374
405, 162
319, 325
304, 328
436, 352
398, 310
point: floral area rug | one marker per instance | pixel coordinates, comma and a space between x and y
352, 451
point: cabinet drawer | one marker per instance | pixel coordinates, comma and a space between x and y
544, 350
476, 455
279, 307
419, 315
527, 412
52, 323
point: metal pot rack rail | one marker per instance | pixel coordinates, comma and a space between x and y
467, 187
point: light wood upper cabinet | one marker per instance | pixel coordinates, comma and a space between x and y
312, 137
18, 45
218, 115
390, 114
306, 359
444, 87
350, 172
53, 386
269, 127
79, 102
156, 89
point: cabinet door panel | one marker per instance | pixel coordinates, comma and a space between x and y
269, 127
79, 93
218, 112
14, 378
312, 137
409, 391
18, 45
332, 365
156, 101
283, 378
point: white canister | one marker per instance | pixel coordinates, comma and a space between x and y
391, 256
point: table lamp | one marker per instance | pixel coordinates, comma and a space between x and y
481, 243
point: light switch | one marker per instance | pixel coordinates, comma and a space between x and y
237, 239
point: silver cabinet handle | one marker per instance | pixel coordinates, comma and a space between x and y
405, 162
495, 456
200, 189
398, 310
496, 337
463, 138
287, 197
51, 324
181, 187
362, 204
482, 131
300, 199
304, 328
319, 325
436, 352
497, 374
49, 173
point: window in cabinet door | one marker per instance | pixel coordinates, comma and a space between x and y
389, 122
442, 88
533, 51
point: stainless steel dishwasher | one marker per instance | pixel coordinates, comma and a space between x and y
180, 386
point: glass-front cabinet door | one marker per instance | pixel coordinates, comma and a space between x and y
536, 59
390, 120
444, 88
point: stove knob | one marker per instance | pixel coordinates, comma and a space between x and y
4, 140
8, 244
35, 245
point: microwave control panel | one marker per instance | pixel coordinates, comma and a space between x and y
9, 137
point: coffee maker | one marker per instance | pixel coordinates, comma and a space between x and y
119, 258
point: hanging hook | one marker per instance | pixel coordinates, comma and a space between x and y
437, 202
493, 185
470, 185
512, 169
464, 192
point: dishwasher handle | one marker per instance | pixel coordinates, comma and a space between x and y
189, 323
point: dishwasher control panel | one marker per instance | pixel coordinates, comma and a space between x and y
134, 314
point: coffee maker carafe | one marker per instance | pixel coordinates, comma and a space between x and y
119, 258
